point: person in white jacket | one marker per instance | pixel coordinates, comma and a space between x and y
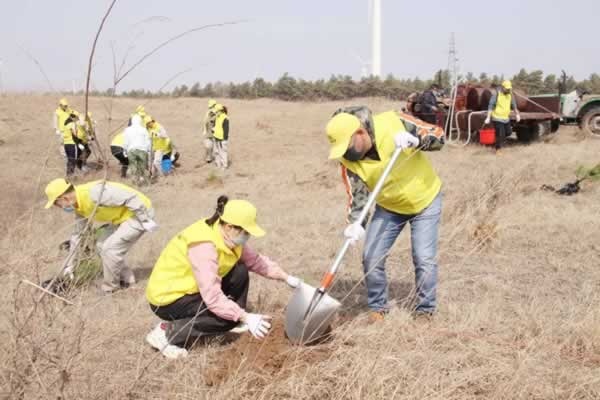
137, 146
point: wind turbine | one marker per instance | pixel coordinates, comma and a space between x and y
375, 21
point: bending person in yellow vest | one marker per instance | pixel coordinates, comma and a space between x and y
126, 212
501, 103
363, 144
221, 138
199, 285
162, 146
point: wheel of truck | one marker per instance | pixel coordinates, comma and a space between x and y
554, 125
529, 133
590, 121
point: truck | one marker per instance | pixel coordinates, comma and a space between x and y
463, 113
576, 107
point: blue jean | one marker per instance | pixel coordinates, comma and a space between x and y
384, 228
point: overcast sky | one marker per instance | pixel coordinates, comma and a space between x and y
308, 39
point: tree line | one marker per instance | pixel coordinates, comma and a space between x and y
340, 87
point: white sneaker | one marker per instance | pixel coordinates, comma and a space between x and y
240, 328
157, 338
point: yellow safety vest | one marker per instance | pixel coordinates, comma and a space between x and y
114, 215
172, 276
118, 140
81, 134
61, 117
412, 184
503, 104
67, 133
159, 143
219, 134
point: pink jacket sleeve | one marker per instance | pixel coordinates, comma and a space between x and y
203, 258
260, 264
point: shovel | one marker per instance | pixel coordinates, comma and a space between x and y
310, 310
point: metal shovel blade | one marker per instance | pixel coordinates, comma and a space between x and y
301, 328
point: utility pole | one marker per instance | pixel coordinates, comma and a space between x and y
452, 61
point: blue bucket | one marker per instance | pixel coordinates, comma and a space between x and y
167, 166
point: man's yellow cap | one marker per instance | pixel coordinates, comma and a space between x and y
63, 102
55, 189
243, 214
339, 132
211, 103
507, 84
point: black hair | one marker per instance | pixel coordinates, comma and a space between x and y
221, 201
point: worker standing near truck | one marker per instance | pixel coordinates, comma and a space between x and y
363, 143
501, 103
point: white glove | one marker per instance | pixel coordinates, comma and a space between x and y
487, 121
355, 232
58, 133
293, 281
258, 325
150, 226
405, 140
172, 157
81, 147
518, 117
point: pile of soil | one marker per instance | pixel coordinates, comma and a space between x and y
270, 357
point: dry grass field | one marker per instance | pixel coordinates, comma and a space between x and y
519, 280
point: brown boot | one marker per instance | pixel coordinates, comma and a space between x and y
376, 317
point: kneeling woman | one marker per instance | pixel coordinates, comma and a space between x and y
199, 285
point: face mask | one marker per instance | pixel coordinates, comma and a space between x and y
69, 209
352, 154
241, 239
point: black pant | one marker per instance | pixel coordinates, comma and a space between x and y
72, 155
190, 317
429, 117
168, 156
83, 155
503, 130
117, 152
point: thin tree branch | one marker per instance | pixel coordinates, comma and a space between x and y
166, 42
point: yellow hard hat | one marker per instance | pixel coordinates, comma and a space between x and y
339, 132
211, 103
63, 102
243, 214
507, 84
55, 189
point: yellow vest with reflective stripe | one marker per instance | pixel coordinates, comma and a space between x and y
219, 134
67, 133
114, 215
118, 140
172, 276
503, 104
412, 184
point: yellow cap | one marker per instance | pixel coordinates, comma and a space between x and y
339, 132
242, 213
55, 189
507, 84
211, 103
63, 102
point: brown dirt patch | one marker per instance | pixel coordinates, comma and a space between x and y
272, 356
